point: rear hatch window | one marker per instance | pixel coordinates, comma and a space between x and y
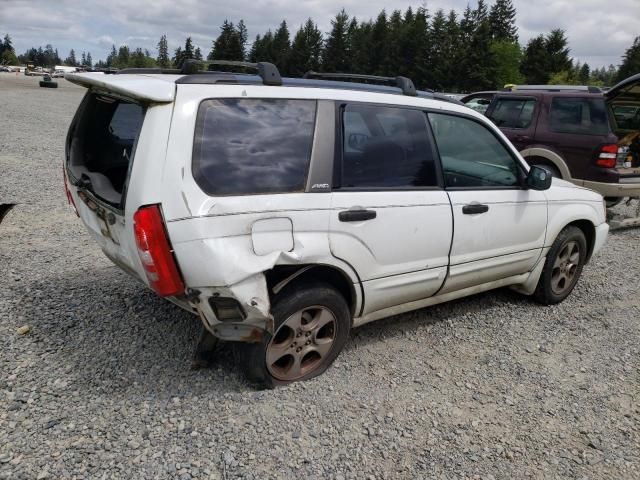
579, 115
102, 145
253, 146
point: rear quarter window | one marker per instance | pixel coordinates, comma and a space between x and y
253, 146
579, 115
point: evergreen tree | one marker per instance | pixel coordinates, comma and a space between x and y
360, 40
392, 62
83, 59
262, 49
480, 60
188, 51
481, 13
379, 44
534, 64
306, 49
228, 45
89, 60
630, 62
178, 57
123, 58
419, 33
507, 55
502, 20
7, 52
163, 53
70, 60
336, 53
438, 75
197, 54
112, 57
557, 52
282, 48
584, 74
241, 29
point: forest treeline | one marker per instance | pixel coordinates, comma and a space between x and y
476, 49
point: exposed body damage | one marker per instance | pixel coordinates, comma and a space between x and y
253, 297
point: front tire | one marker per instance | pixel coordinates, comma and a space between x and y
562, 267
311, 326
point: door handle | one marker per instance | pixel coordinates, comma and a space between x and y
356, 215
522, 138
474, 208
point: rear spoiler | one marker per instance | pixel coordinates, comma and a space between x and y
142, 88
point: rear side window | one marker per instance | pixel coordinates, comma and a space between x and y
513, 112
102, 145
253, 146
386, 147
579, 115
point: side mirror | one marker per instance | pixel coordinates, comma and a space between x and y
538, 178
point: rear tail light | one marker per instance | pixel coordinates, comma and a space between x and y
155, 252
68, 192
608, 156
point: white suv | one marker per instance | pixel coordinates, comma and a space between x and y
285, 212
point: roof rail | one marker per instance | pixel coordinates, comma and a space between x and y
267, 71
145, 70
403, 83
557, 88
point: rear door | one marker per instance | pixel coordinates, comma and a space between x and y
576, 126
104, 138
390, 218
499, 227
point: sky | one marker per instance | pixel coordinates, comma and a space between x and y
599, 31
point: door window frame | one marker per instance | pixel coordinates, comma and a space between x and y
534, 114
340, 107
522, 171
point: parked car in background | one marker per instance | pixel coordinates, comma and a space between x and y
285, 212
478, 101
570, 133
58, 74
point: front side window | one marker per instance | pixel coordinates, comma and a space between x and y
386, 147
513, 112
471, 155
253, 146
579, 115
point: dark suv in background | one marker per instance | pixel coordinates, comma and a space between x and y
575, 133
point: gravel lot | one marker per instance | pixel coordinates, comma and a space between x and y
492, 387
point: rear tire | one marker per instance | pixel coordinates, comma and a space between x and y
311, 326
562, 267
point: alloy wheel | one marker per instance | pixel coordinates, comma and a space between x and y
302, 343
563, 275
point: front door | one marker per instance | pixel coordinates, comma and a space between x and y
516, 117
499, 227
390, 218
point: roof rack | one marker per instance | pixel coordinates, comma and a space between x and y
403, 83
267, 71
556, 88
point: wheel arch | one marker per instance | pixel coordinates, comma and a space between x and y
544, 155
589, 231
281, 276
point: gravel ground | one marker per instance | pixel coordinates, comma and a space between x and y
492, 387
